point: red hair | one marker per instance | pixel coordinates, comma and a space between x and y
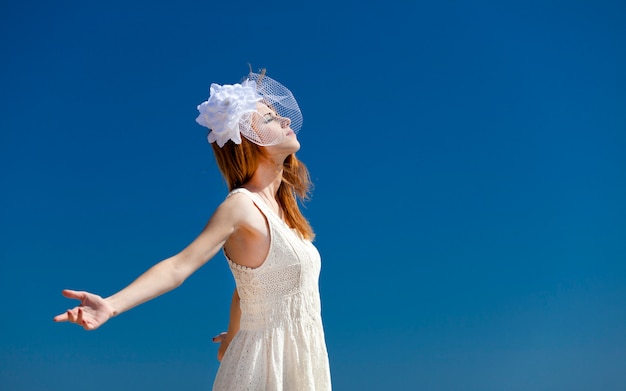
238, 162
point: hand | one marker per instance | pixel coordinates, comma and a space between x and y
91, 313
224, 340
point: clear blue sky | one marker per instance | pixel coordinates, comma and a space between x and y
469, 159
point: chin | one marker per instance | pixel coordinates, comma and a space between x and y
284, 148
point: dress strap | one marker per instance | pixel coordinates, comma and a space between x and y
258, 201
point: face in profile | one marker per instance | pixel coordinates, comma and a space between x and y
273, 130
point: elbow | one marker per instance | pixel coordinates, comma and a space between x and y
181, 266
179, 271
177, 277
176, 282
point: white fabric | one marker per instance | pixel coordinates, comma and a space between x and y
224, 110
280, 344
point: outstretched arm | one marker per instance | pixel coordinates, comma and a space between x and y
225, 338
168, 274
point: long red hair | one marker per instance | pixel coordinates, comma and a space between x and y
238, 162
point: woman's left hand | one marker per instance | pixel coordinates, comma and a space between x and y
224, 340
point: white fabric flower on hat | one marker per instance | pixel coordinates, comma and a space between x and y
225, 108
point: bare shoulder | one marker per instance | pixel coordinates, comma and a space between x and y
249, 243
239, 209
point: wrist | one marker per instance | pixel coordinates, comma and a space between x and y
112, 306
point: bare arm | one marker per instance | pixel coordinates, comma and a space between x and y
168, 274
224, 339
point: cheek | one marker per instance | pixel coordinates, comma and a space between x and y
270, 133
271, 129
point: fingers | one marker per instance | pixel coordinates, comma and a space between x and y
220, 337
70, 294
68, 316
79, 320
76, 315
82, 321
71, 315
61, 317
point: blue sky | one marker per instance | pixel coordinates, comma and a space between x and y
469, 169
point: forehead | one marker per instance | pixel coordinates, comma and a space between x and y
263, 109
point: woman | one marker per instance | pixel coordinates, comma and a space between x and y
275, 339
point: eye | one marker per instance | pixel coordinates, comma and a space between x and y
269, 118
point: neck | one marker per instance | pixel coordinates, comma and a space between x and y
266, 179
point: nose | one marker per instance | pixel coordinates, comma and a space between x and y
285, 122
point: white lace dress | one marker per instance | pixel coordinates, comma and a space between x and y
280, 344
